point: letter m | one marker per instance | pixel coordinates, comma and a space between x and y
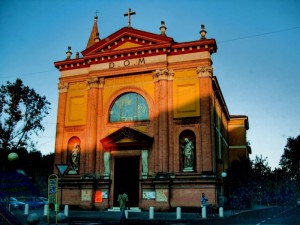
142, 61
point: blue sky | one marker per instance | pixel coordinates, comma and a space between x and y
257, 63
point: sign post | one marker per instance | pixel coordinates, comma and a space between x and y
52, 194
62, 169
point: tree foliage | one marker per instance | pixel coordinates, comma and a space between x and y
290, 159
239, 183
21, 113
253, 181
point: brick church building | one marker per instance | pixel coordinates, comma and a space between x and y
142, 112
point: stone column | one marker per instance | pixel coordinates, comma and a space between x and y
144, 163
162, 77
205, 85
61, 111
107, 160
91, 126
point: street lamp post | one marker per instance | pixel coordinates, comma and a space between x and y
223, 175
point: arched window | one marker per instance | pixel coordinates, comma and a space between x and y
129, 107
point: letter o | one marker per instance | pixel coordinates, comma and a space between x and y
126, 63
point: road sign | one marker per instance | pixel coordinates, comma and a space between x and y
62, 168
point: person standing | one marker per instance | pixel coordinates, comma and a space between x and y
203, 202
123, 200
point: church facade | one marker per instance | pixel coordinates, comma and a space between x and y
140, 112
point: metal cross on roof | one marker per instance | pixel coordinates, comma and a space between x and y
129, 15
96, 17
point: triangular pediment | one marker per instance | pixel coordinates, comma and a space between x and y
127, 39
127, 137
128, 44
126, 140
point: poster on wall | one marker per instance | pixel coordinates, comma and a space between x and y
105, 194
86, 195
98, 196
162, 195
148, 194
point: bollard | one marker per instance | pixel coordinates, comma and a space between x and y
26, 209
151, 213
33, 219
61, 218
221, 212
178, 213
204, 212
46, 208
66, 211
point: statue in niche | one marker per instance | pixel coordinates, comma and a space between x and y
75, 159
106, 163
145, 161
188, 155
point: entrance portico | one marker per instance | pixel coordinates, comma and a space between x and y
126, 162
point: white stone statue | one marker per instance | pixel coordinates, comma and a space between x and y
188, 155
75, 157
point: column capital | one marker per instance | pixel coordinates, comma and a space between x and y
101, 82
204, 71
163, 74
92, 82
63, 87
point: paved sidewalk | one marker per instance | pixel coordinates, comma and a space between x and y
106, 217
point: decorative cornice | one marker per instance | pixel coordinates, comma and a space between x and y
204, 71
147, 45
163, 74
187, 121
63, 87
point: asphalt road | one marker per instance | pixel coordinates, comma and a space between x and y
273, 215
276, 215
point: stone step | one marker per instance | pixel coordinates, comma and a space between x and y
117, 209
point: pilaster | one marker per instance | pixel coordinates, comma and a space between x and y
100, 127
205, 160
91, 126
61, 111
161, 77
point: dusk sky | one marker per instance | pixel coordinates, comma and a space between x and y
257, 63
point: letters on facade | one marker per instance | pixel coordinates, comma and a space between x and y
127, 62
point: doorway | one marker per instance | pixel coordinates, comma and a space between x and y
126, 177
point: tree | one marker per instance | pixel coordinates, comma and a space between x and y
290, 159
21, 113
239, 183
262, 180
